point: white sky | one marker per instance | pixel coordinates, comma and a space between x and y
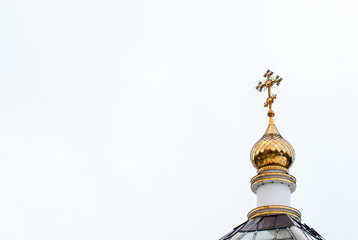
135, 119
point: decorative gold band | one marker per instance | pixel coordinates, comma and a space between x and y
274, 210
273, 177
272, 168
265, 175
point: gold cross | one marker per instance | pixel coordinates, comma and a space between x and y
270, 82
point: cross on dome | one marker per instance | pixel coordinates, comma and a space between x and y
270, 82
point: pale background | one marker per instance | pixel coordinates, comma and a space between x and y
135, 119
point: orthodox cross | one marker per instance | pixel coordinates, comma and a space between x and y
270, 82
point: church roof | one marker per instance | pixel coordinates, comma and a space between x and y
278, 227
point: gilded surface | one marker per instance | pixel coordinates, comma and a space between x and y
272, 149
272, 167
273, 174
268, 84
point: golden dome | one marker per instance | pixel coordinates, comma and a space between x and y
272, 149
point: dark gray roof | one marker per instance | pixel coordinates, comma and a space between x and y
277, 224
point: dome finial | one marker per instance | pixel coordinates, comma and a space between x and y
270, 82
272, 149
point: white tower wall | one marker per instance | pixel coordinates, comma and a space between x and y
273, 194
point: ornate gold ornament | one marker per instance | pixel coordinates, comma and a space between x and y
272, 149
267, 85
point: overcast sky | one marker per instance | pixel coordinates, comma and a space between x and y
135, 119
